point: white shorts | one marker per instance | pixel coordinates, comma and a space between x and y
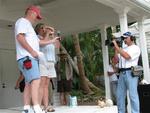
48, 70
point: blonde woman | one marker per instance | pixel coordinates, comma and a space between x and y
46, 33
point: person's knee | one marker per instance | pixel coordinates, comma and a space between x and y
35, 83
45, 85
42, 84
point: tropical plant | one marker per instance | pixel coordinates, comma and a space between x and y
90, 43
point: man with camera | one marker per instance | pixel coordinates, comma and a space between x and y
128, 56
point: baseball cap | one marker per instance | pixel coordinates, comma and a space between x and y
36, 10
127, 34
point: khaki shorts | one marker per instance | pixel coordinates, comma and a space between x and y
48, 70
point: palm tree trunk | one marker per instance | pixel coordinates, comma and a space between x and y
75, 67
82, 77
70, 59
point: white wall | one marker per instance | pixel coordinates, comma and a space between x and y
9, 97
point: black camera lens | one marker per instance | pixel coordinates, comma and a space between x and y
107, 42
119, 42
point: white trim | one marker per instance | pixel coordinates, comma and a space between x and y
142, 3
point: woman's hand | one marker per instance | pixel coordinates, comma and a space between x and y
50, 30
57, 44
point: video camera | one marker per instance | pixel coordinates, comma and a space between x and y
119, 41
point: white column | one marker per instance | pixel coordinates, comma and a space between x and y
144, 52
105, 60
123, 19
123, 22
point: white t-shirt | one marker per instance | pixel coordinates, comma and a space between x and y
134, 52
24, 26
113, 77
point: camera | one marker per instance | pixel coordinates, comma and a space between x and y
58, 33
119, 41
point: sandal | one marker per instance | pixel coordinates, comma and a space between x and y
50, 109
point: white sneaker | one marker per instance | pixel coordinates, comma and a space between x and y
40, 111
31, 110
28, 111
44, 111
25, 111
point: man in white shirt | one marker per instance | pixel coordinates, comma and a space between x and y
128, 56
27, 47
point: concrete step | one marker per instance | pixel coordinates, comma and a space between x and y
67, 109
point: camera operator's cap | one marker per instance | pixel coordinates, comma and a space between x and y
127, 34
36, 10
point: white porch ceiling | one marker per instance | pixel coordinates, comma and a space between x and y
71, 16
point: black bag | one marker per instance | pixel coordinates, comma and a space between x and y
137, 71
22, 85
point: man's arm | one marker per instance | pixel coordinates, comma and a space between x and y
21, 39
121, 51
